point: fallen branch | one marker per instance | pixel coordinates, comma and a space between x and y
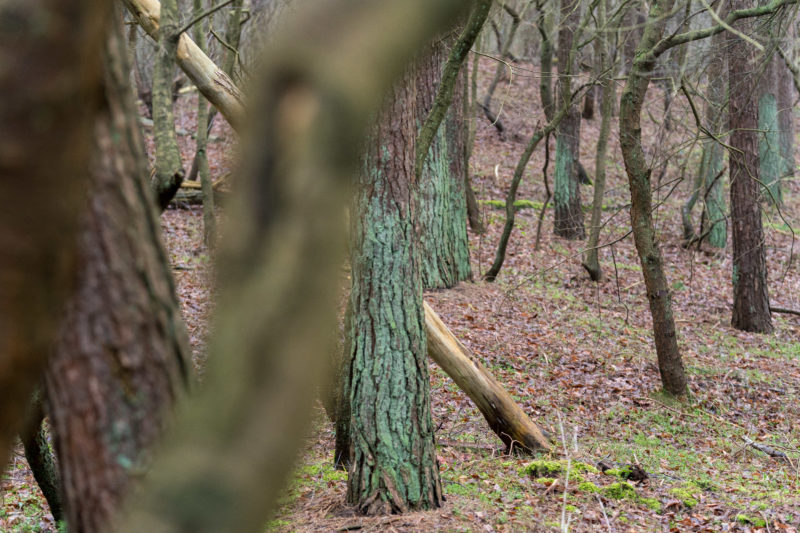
772, 452
505, 417
784, 310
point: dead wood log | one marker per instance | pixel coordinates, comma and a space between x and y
505, 417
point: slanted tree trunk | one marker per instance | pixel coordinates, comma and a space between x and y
50, 79
568, 221
444, 247
504, 416
670, 363
393, 457
209, 79
602, 47
750, 292
169, 168
122, 358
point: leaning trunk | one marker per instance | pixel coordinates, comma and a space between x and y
670, 363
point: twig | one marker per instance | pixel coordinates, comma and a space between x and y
772, 452
201, 16
784, 310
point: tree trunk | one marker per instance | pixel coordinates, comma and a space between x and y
714, 211
51, 71
40, 459
504, 416
546, 27
750, 293
201, 155
670, 363
568, 221
786, 94
123, 356
169, 168
444, 247
393, 458
770, 161
590, 261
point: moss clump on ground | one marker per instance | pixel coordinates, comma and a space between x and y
519, 204
544, 468
757, 522
620, 491
651, 503
686, 494
545, 480
588, 486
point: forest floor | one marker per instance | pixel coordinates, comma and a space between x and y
577, 355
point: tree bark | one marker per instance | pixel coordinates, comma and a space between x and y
545, 24
568, 221
770, 160
40, 459
750, 292
393, 457
444, 247
123, 355
169, 167
504, 416
49, 52
670, 364
201, 155
714, 205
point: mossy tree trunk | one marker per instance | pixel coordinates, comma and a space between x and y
770, 161
714, 205
443, 210
50, 81
670, 364
786, 97
568, 221
169, 168
393, 458
750, 292
123, 357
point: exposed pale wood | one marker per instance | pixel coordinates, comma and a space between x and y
505, 417
210, 80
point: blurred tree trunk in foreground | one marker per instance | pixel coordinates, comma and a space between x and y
49, 79
123, 355
236, 442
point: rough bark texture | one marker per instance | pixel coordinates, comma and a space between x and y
122, 356
504, 416
750, 293
49, 79
169, 167
670, 364
444, 247
237, 441
40, 458
568, 221
393, 459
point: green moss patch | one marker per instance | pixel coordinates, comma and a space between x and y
541, 467
687, 494
753, 521
589, 487
620, 491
